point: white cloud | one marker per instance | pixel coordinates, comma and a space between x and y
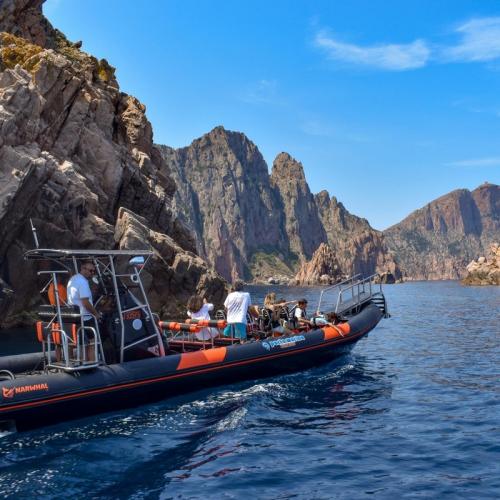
480, 41
261, 92
392, 57
492, 161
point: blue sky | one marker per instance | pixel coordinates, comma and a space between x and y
387, 104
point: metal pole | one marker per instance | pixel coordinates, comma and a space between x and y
118, 305
146, 302
35, 237
59, 319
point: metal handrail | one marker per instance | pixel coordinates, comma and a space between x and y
360, 287
348, 280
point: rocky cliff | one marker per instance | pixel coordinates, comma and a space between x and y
358, 247
485, 270
74, 150
254, 225
438, 240
323, 268
302, 224
225, 195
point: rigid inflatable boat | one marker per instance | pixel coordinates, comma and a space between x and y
130, 357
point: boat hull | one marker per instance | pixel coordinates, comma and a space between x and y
40, 399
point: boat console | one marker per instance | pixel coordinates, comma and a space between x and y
127, 328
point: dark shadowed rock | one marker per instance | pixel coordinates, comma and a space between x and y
173, 274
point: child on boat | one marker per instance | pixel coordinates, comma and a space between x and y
199, 308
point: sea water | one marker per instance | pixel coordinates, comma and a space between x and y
413, 411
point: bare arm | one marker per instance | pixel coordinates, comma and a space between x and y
89, 307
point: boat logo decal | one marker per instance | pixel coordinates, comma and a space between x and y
132, 314
283, 342
10, 392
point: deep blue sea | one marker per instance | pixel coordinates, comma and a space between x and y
412, 412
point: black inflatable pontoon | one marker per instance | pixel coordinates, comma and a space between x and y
132, 358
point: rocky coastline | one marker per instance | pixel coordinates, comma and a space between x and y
484, 270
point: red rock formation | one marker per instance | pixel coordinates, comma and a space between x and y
252, 225
323, 268
438, 240
358, 247
302, 223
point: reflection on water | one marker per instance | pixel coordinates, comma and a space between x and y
412, 409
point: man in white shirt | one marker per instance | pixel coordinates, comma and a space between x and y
236, 304
79, 293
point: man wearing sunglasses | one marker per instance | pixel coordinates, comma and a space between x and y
79, 293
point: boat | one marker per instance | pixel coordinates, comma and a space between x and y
131, 357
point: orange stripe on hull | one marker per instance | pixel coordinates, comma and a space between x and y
200, 358
340, 330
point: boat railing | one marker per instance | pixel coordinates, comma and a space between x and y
357, 293
334, 290
73, 354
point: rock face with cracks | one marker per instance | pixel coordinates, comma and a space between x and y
252, 225
75, 152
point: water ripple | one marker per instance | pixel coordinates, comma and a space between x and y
412, 412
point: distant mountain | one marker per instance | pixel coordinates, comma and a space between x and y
249, 224
440, 239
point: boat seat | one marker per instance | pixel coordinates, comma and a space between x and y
42, 332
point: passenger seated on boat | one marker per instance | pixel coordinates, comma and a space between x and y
274, 307
333, 318
300, 314
237, 304
79, 293
199, 308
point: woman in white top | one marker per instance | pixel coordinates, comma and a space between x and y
199, 308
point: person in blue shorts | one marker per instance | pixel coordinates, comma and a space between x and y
236, 304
